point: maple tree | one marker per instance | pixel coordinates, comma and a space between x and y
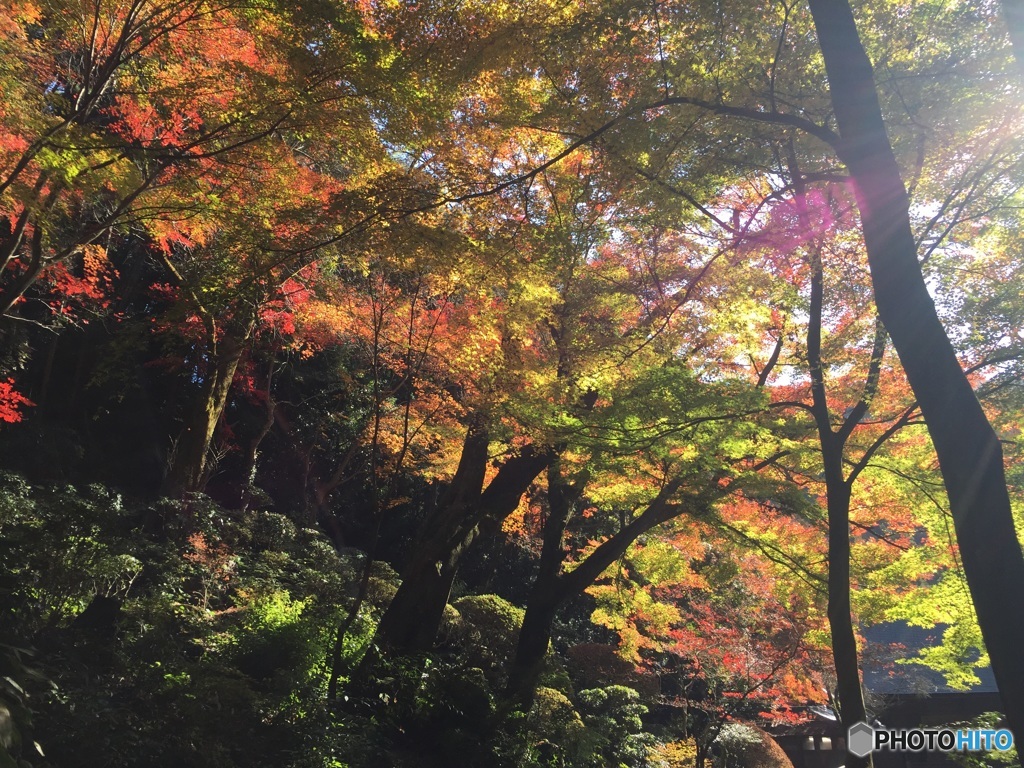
968, 449
854, 412
591, 285
590, 330
102, 131
712, 629
785, 118
802, 221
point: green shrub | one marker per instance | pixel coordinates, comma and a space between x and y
613, 719
211, 653
488, 633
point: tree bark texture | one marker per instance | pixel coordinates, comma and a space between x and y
970, 456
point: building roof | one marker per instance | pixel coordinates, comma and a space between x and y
886, 644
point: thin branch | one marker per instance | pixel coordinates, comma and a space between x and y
870, 383
900, 423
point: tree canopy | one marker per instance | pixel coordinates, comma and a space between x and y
490, 383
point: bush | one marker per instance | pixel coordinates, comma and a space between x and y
489, 632
613, 718
739, 745
176, 633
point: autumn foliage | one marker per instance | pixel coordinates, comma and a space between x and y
477, 383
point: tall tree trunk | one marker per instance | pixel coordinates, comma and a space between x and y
188, 464
844, 641
545, 599
838, 489
969, 453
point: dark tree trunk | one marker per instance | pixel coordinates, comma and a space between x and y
552, 590
21, 282
413, 618
188, 464
532, 646
844, 641
838, 489
545, 597
411, 622
969, 452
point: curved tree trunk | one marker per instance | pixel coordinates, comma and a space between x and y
532, 646
969, 452
553, 589
411, 621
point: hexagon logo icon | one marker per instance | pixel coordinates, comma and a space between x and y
860, 739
